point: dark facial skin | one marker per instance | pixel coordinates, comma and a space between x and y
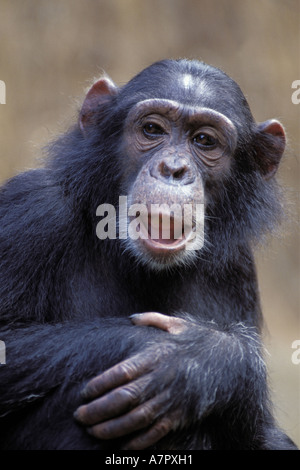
204, 135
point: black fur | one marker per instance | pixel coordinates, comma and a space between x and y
66, 295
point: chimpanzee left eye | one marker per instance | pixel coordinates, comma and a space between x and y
204, 140
152, 129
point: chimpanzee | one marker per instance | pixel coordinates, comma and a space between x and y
141, 342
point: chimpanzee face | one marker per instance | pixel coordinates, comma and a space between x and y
172, 149
182, 129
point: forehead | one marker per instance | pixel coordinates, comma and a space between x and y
208, 92
191, 85
187, 81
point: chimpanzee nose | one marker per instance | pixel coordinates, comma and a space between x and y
173, 170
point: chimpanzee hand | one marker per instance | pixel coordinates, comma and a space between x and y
136, 395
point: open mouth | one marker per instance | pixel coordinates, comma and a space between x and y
164, 232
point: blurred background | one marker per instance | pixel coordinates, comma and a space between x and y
51, 50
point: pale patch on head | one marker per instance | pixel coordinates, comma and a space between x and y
193, 84
188, 81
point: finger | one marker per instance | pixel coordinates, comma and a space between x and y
118, 375
139, 418
173, 325
115, 403
146, 439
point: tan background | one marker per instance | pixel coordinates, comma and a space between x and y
50, 50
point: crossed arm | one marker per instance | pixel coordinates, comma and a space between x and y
174, 383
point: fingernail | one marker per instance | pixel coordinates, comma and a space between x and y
134, 315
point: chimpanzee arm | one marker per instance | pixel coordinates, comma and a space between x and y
47, 366
220, 375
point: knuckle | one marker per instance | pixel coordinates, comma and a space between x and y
125, 370
146, 414
165, 425
133, 391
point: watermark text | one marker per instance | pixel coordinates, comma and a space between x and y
296, 354
156, 222
2, 92
2, 353
296, 94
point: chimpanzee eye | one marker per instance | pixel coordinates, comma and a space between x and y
204, 140
151, 129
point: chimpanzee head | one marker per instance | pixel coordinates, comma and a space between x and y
186, 149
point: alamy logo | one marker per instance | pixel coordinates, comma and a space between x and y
2, 92
296, 94
296, 354
159, 222
2, 353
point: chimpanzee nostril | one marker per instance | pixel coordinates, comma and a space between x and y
164, 169
173, 170
179, 173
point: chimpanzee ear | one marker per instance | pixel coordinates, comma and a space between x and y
98, 94
271, 145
